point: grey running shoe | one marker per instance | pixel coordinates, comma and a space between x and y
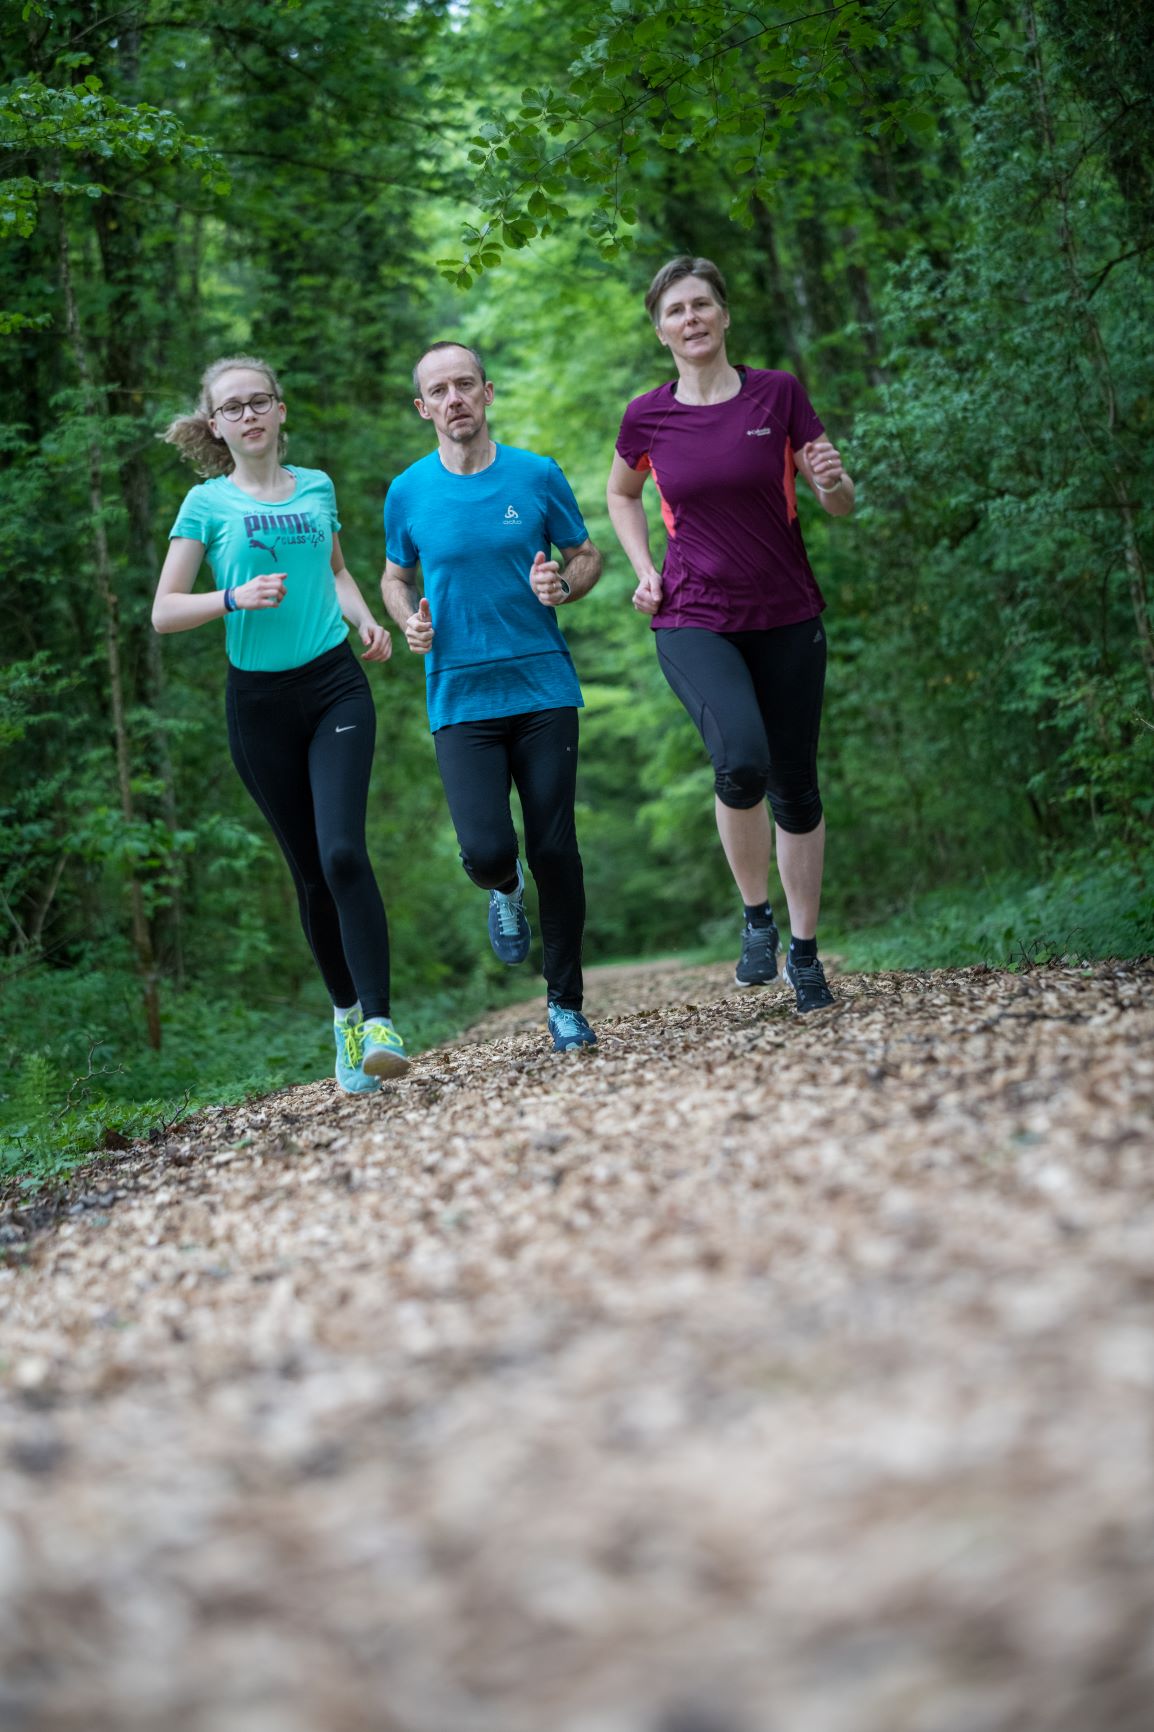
509, 932
759, 948
808, 981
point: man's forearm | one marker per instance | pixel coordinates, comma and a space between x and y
400, 598
582, 572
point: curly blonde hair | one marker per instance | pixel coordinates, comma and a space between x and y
192, 434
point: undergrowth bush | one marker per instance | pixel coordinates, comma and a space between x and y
78, 1078
1089, 909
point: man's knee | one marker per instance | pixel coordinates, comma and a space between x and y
489, 866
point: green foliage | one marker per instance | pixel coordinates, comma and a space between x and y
82, 121
996, 605
78, 1080
1094, 906
705, 78
44, 1132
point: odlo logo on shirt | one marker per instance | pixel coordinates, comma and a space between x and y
511, 515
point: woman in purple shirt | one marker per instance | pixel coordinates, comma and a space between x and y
735, 607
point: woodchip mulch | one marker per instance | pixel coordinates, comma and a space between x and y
756, 1374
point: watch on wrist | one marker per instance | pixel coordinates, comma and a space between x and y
565, 590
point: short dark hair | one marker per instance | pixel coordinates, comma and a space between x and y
449, 343
685, 265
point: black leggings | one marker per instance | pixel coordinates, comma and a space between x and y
755, 699
302, 742
536, 752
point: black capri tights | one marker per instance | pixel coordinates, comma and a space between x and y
755, 698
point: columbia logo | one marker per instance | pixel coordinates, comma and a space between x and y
758, 432
511, 515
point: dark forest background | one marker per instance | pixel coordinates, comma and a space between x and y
940, 216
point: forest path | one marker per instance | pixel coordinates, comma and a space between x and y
755, 1374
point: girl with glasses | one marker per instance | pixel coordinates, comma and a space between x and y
301, 723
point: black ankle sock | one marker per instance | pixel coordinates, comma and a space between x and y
761, 915
804, 949
508, 889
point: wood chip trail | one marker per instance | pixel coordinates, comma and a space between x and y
755, 1374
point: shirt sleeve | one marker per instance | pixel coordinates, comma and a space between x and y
399, 544
804, 423
564, 524
194, 520
330, 495
632, 443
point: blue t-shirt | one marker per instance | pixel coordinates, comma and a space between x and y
244, 538
496, 650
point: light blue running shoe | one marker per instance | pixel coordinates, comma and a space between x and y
569, 1029
350, 1046
509, 932
383, 1050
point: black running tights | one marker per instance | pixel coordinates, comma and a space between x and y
302, 742
536, 753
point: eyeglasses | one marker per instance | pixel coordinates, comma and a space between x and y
234, 409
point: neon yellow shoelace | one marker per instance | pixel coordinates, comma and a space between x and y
351, 1035
381, 1034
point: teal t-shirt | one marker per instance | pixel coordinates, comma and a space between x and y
496, 650
245, 538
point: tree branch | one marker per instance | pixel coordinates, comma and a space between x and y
1100, 276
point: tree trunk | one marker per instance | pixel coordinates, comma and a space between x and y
767, 265
141, 937
118, 234
1099, 358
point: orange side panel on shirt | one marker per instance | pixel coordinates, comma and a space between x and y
788, 482
667, 517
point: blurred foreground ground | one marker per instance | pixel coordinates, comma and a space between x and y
753, 1375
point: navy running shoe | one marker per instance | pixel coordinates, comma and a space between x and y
509, 932
569, 1029
759, 948
808, 982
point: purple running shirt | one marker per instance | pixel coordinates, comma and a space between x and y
725, 474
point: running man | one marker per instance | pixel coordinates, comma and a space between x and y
480, 519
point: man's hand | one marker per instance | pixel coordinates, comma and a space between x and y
548, 585
377, 641
267, 590
648, 595
419, 629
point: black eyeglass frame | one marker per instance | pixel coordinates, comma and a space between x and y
234, 409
